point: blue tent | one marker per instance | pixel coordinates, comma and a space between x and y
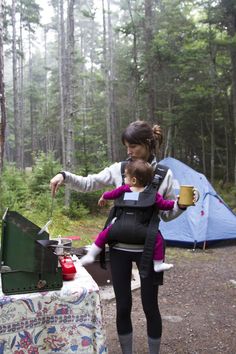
209, 220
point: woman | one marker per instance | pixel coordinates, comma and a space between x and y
141, 141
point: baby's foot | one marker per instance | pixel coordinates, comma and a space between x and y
161, 266
90, 257
87, 259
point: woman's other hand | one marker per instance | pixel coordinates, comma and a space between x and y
55, 183
196, 195
181, 206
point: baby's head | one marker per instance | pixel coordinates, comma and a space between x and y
138, 173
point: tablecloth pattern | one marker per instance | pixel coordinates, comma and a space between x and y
64, 321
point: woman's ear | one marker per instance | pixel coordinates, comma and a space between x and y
134, 181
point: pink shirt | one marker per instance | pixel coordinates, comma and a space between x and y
162, 204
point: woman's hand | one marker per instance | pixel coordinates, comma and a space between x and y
181, 206
102, 202
55, 183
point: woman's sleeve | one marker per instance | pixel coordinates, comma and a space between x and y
167, 191
110, 176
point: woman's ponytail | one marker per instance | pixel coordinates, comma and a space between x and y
157, 132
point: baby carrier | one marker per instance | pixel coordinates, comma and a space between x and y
137, 219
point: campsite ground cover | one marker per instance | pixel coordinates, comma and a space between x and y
197, 302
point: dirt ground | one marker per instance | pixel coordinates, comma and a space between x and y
197, 303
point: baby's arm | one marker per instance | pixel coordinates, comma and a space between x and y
164, 204
114, 194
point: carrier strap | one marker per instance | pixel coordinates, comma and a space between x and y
147, 256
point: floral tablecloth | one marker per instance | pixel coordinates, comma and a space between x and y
64, 321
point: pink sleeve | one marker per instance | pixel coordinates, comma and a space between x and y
116, 193
164, 204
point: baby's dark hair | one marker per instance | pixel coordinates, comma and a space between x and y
141, 170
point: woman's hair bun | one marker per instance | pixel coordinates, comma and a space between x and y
157, 131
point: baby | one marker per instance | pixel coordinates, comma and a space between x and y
138, 175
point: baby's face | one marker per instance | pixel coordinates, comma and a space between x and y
128, 179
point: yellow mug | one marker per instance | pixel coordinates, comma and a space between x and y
186, 195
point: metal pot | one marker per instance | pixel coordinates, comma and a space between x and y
62, 246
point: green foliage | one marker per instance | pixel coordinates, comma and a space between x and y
88, 200
60, 223
45, 167
227, 192
28, 192
90, 148
75, 211
13, 188
30, 12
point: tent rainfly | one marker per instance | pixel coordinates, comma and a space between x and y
209, 220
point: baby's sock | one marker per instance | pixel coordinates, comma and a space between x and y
91, 255
160, 266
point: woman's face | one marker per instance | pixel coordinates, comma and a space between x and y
137, 151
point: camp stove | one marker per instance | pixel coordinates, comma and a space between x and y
29, 262
63, 249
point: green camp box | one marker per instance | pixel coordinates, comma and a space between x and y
28, 263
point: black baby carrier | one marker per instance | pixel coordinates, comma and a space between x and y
137, 219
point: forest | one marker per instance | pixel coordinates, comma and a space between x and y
71, 82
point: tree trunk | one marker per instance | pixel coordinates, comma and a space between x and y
106, 76
2, 93
21, 94
169, 140
150, 70
203, 148
213, 86
49, 140
111, 99
233, 61
111, 123
15, 89
229, 11
135, 102
212, 135
62, 65
33, 122
70, 86
70, 93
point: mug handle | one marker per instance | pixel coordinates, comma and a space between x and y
196, 194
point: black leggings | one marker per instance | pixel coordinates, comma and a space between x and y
121, 269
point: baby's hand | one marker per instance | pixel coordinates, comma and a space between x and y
102, 202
